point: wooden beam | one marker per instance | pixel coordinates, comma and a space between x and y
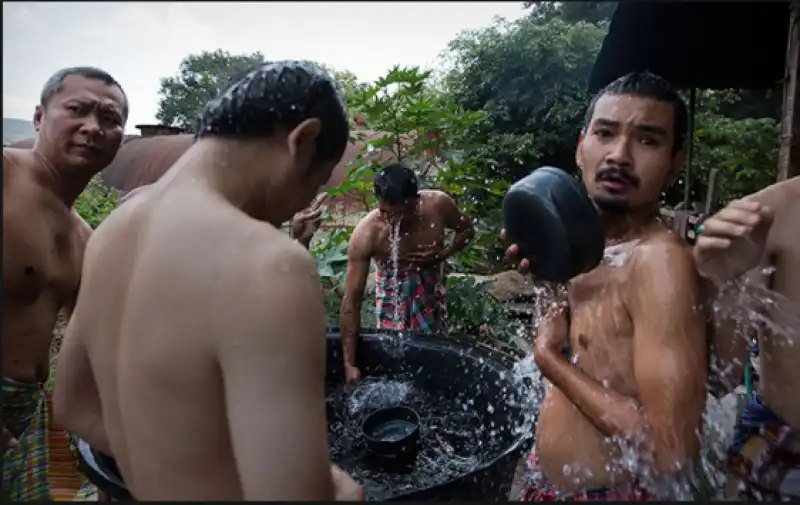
789, 153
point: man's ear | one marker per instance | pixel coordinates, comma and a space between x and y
38, 112
302, 140
677, 166
578, 155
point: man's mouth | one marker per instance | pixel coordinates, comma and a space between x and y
615, 182
85, 148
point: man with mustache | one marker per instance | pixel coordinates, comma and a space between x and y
621, 416
80, 121
755, 240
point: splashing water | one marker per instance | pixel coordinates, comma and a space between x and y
394, 259
454, 440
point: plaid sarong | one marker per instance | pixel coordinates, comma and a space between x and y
42, 466
420, 301
764, 459
536, 489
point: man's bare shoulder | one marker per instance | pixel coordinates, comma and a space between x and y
364, 233
13, 162
662, 247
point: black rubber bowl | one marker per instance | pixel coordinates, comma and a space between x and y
549, 215
393, 438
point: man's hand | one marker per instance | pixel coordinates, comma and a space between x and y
306, 222
344, 487
351, 373
7, 441
512, 254
425, 255
733, 241
552, 337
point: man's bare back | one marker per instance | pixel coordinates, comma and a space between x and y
141, 259
200, 325
43, 244
605, 309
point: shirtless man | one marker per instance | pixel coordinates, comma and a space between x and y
419, 218
80, 121
621, 417
196, 351
746, 237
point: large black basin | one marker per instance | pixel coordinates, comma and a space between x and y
477, 379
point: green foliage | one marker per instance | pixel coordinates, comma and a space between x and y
572, 12
475, 315
744, 151
97, 201
201, 75
199, 78
429, 135
530, 77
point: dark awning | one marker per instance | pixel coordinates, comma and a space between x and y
707, 45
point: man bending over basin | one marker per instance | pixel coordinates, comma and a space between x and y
199, 325
749, 238
414, 222
621, 417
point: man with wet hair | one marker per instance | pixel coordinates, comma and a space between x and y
622, 414
80, 122
414, 222
753, 244
196, 352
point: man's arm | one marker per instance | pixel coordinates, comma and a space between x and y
457, 221
76, 400
271, 354
359, 254
669, 357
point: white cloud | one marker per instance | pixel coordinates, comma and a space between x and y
139, 43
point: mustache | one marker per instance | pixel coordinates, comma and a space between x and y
615, 172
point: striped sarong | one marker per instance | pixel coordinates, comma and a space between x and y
764, 458
42, 466
536, 489
420, 300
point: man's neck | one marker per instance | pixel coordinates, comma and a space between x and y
622, 227
64, 181
225, 170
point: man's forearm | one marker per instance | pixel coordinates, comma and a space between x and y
460, 241
612, 413
349, 326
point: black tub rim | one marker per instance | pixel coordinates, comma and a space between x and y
436, 341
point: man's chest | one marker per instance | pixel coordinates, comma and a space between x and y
424, 233
601, 329
42, 252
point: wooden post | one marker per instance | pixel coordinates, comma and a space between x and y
789, 153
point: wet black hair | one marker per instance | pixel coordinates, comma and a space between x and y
647, 85
395, 184
53, 85
279, 94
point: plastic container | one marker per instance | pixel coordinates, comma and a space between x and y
393, 438
549, 215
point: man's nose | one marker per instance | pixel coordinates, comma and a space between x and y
91, 126
620, 153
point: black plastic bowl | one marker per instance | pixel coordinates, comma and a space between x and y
392, 436
549, 215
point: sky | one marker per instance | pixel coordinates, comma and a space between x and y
139, 43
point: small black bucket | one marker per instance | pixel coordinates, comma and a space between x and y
549, 215
393, 438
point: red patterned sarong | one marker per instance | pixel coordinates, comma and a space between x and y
536, 489
420, 301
